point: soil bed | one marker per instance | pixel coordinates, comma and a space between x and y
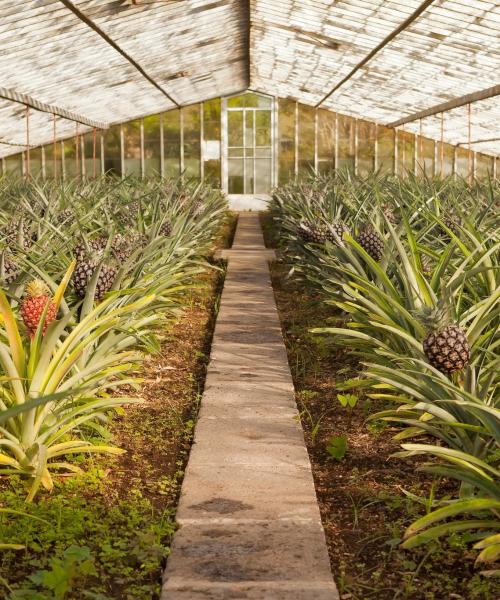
363, 507
107, 533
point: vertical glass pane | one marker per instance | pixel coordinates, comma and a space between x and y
92, 154
235, 176
212, 141
263, 127
13, 165
385, 150
326, 140
249, 125
462, 162
406, 153
366, 147
426, 156
72, 157
306, 140
172, 142
191, 115
249, 176
36, 162
444, 165
132, 146
286, 141
152, 158
112, 152
53, 167
346, 142
263, 179
235, 120
484, 166
250, 100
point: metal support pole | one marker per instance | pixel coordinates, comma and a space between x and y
415, 148
181, 157
421, 152
43, 163
375, 149
103, 164
202, 137
63, 161
403, 152
316, 158
356, 145
442, 145
162, 149
27, 175
296, 156
396, 153
143, 171
122, 151
77, 153
435, 169
469, 158
82, 155
336, 150
94, 153
54, 143
455, 161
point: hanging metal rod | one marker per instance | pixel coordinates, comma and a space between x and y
450, 105
13, 96
70, 6
378, 48
494, 139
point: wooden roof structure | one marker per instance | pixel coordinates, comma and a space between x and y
109, 61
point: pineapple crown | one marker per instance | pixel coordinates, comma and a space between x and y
438, 316
37, 287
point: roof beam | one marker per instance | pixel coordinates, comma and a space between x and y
13, 96
406, 23
77, 12
450, 105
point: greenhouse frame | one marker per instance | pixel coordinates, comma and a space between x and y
249, 300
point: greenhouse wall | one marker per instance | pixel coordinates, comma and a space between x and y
290, 140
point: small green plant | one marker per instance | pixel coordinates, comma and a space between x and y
337, 446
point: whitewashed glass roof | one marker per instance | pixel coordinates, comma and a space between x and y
198, 49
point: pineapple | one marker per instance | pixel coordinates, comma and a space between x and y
445, 345
18, 232
125, 244
95, 249
426, 263
371, 242
452, 223
166, 228
65, 216
83, 273
312, 233
8, 270
335, 231
37, 298
389, 214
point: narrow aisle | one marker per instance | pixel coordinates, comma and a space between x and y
249, 520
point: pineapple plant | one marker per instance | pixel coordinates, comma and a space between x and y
371, 242
65, 216
445, 344
37, 299
125, 244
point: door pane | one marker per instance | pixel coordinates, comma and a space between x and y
249, 176
235, 128
249, 123
235, 176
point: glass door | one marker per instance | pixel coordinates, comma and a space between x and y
249, 152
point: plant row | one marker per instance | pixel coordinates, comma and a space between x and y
89, 272
413, 267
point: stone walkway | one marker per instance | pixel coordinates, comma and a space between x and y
249, 521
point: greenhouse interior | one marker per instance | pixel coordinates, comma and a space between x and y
249, 300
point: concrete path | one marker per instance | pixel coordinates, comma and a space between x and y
249, 521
